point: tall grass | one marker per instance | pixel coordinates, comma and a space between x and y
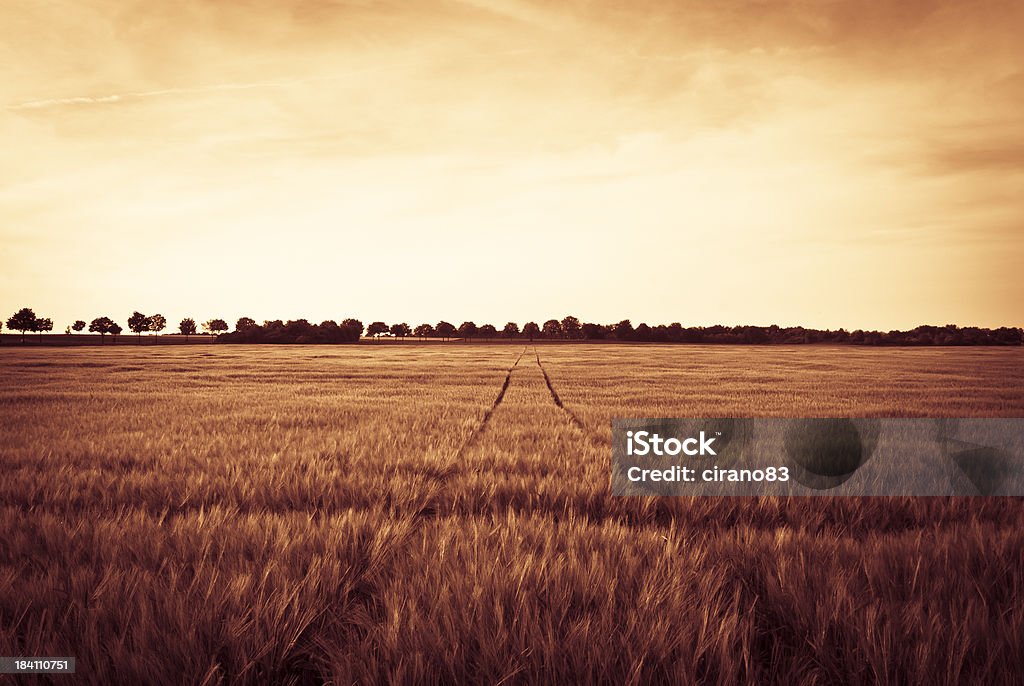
296, 515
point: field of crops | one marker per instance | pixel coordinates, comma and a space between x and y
441, 513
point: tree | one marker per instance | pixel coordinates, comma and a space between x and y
138, 323
244, 324
115, 330
445, 330
354, 324
488, 331
623, 330
187, 327
400, 330
376, 329
157, 323
43, 324
511, 330
552, 328
23, 320
215, 326
467, 330
424, 330
571, 327
531, 329
78, 325
102, 326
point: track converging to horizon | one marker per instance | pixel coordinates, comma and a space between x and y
527, 385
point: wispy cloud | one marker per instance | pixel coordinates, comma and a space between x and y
114, 98
118, 98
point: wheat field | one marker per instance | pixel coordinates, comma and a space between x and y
401, 513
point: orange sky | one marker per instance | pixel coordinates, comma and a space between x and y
829, 163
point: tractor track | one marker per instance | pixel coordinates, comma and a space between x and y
575, 420
490, 411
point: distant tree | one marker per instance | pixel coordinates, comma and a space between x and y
43, 324
400, 330
531, 329
552, 328
78, 325
511, 330
115, 330
215, 326
138, 323
467, 330
187, 327
643, 332
571, 327
623, 331
351, 330
23, 320
244, 324
299, 331
594, 331
445, 330
102, 326
424, 330
354, 324
157, 323
488, 331
375, 329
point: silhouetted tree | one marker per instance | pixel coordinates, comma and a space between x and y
467, 330
138, 323
102, 326
623, 331
354, 324
244, 324
78, 326
295, 331
511, 330
594, 331
552, 328
424, 330
187, 326
375, 329
43, 324
215, 326
299, 331
157, 323
531, 329
400, 330
571, 327
445, 330
23, 320
115, 331
488, 331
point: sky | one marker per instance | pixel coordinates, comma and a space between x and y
826, 163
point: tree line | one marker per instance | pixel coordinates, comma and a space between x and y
26, 321
569, 328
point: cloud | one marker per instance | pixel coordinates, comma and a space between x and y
115, 98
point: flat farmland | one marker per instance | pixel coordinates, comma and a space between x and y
441, 513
